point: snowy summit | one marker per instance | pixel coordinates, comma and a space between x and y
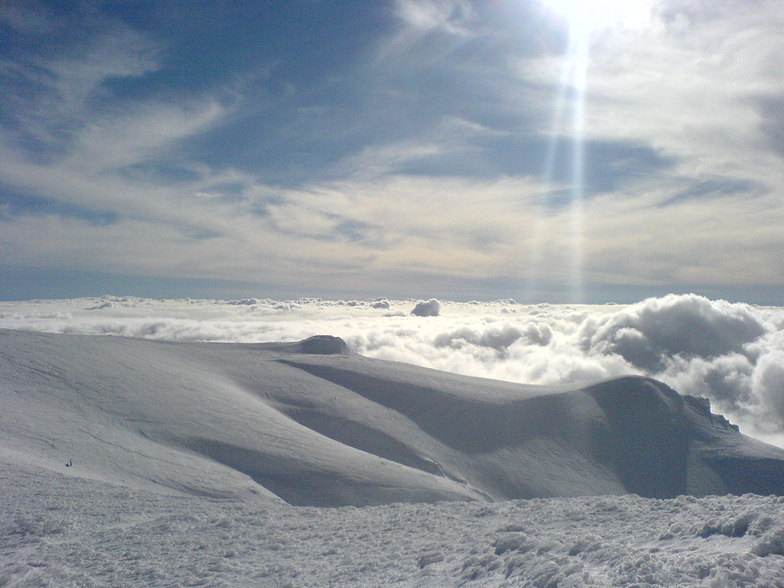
310, 424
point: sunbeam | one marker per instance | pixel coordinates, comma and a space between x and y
584, 21
579, 58
569, 103
543, 202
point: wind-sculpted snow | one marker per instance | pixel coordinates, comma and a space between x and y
306, 424
60, 530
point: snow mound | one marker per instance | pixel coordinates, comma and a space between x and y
309, 424
323, 345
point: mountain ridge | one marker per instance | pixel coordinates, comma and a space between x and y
311, 424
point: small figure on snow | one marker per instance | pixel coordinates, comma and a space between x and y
69, 463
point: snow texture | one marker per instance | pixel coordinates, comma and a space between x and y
60, 530
133, 462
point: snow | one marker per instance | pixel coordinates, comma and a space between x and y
302, 463
60, 530
314, 425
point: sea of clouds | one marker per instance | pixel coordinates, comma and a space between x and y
731, 353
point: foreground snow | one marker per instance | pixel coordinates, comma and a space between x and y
65, 531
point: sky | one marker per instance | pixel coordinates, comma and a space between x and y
490, 149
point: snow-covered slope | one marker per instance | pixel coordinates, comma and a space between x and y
310, 424
63, 531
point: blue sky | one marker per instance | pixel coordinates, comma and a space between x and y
503, 148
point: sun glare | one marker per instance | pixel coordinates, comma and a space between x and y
601, 14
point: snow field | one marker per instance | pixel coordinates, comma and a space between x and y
64, 531
267, 422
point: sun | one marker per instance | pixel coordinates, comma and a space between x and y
595, 15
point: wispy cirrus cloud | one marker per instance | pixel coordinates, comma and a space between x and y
701, 81
55, 89
449, 16
421, 159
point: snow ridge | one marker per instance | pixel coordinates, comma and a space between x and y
310, 424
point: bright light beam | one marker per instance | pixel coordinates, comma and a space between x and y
580, 59
596, 15
584, 19
556, 130
573, 76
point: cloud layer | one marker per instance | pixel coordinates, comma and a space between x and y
730, 353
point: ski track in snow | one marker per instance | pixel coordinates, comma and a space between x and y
66, 531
